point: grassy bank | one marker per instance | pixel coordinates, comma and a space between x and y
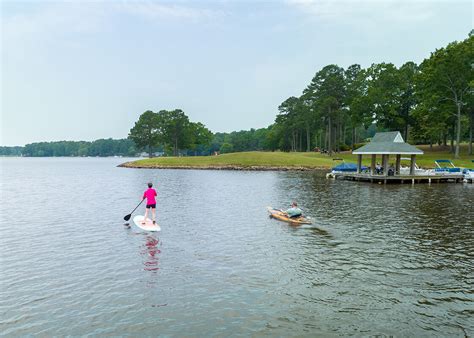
244, 160
281, 160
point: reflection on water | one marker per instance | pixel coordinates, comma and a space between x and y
150, 254
377, 260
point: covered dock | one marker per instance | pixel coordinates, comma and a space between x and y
387, 145
400, 179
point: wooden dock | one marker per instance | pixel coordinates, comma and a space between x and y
399, 179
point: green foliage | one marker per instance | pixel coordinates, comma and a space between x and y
358, 145
176, 129
147, 131
344, 147
11, 151
172, 131
341, 107
446, 89
102, 147
226, 148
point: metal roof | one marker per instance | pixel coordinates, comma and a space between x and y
388, 143
388, 136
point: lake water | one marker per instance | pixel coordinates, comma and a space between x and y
378, 260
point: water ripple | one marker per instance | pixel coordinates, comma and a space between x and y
378, 260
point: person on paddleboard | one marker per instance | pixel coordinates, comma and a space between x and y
150, 194
294, 211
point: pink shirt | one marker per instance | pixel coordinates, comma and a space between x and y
150, 194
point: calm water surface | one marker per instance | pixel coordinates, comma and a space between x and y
389, 260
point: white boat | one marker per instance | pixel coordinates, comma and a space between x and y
344, 168
418, 171
468, 174
446, 166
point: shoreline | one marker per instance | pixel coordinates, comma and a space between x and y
133, 165
269, 161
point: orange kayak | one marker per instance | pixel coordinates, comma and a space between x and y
280, 215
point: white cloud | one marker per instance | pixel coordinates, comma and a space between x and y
352, 11
48, 19
156, 10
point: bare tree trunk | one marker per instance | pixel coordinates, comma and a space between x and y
308, 139
330, 133
471, 126
301, 142
353, 137
338, 137
292, 140
458, 130
343, 135
326, 139
452, 143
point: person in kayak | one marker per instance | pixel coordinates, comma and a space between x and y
150, 194
294, 211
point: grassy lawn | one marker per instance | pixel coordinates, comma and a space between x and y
244, 159
289, 160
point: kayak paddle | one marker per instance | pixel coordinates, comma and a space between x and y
127, 217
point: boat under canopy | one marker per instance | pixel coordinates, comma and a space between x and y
347, 167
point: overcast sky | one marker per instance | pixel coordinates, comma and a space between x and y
83, 71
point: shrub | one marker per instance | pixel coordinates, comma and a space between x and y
344, 147
358, 145
226, 148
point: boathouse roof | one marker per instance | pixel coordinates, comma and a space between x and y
388, 143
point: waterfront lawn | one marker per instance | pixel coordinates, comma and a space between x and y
243, 159
295, 160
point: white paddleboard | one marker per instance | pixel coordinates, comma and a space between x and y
148, 226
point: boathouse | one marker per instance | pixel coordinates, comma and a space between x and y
389, 144
386, 144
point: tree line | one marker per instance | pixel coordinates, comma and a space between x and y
172, 133
101, 147
428, 103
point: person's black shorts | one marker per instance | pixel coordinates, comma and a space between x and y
153, 206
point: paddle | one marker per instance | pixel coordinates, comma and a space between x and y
127, 217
